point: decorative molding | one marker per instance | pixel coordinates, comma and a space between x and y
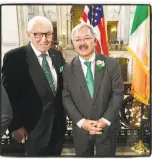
22, 23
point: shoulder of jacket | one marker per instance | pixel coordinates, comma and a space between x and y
15, 51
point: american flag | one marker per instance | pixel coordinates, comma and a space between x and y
93, 14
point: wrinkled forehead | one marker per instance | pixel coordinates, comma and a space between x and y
41, 26
83, 31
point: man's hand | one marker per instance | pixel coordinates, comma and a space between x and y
101, 124
90, 125
20, 135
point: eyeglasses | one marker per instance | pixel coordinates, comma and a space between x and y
40, 35
85, 39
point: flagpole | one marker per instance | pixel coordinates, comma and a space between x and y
92, 8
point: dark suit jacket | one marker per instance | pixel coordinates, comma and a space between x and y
6, 111
108, 93
29, 92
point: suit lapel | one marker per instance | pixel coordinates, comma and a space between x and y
81, 78
98, 75
37, 75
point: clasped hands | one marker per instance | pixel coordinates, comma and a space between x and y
93, 126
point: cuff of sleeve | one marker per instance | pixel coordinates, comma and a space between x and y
80, 122
107, 121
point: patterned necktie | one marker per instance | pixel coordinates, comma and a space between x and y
47, 72
89, 78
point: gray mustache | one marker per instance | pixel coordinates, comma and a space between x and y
83, 46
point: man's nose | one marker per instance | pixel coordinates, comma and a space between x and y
82, 41
44, 37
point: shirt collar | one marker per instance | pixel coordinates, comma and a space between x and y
92, 59
37, 53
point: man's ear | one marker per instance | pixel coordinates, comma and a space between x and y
72, 44
28, 34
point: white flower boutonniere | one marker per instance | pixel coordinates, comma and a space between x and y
61, 69
100, 65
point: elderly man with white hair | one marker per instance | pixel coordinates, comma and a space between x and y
32, 78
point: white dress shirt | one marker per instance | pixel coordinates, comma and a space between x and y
84, 68
49, 60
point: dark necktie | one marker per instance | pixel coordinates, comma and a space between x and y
89, 78
47, 72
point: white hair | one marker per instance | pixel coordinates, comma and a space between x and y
38, 19
81, 25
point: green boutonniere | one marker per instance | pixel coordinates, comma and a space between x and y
100, 65
61, 69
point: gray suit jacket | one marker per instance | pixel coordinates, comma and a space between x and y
108, 93
6, 111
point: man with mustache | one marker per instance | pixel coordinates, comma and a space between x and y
32, 78
92, 96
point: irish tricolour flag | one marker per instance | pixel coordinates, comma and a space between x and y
139, 48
